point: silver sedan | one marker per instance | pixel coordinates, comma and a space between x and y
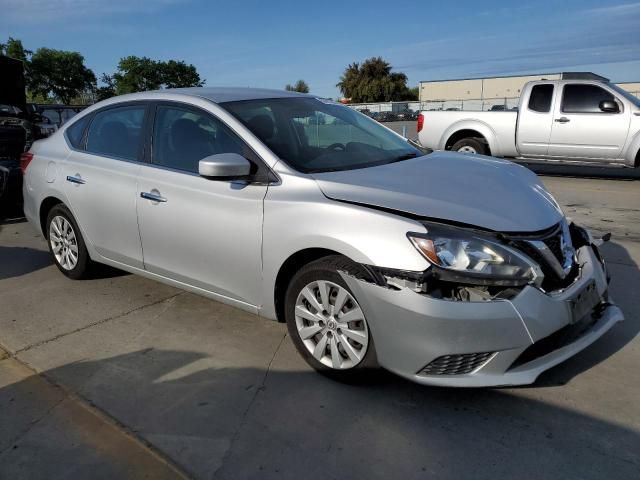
445, 268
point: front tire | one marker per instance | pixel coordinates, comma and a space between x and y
325, 321
470, 145
66, 244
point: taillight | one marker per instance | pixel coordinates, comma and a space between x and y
420, 122
25, 160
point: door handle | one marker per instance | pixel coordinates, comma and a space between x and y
76, 179
154, 197
562, 120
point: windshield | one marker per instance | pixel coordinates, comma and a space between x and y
313, 135
632, 98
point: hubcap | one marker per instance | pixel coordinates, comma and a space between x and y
467, 149
63, 242
331, 325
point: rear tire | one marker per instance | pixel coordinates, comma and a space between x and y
470, 145
337, 343
66, 244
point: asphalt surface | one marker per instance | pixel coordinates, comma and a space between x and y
122, 377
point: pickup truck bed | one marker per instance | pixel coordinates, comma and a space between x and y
442, 130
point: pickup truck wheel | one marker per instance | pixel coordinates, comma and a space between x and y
469, 145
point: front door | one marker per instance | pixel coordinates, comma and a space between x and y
582, 130
202, 232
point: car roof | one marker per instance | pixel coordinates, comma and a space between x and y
231, 94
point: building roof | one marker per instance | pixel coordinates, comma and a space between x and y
232, 94
491, 77
563, 76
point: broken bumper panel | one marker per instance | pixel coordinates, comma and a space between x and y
498, 342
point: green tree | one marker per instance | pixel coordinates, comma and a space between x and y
300, 86
178, 75
59, 74
373, 81
107, 89
14, 49
139, 74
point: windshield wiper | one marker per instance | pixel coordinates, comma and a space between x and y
406, 156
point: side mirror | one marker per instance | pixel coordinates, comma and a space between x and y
224, 166
609, 106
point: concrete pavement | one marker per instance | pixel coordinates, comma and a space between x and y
222, 393
47, 432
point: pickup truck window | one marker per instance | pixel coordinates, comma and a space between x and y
541, 97
583, 98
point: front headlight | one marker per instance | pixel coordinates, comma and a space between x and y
465, 256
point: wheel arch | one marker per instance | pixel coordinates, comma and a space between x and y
632, 151
289, 268
45, 207
470, 129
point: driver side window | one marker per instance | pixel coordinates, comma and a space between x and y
182, 137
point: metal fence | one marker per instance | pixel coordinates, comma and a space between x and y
486, 104
469, 104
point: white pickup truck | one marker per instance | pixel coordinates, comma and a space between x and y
558, 120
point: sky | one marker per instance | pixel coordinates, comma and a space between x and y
270, 43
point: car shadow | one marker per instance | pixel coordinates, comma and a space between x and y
625, 275
11, 221
102, 271
18, 261
582, 171
232, 422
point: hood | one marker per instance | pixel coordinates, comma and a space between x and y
482, 191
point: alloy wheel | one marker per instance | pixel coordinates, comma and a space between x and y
64, 243
331, 325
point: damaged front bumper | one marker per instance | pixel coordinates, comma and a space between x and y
487, 343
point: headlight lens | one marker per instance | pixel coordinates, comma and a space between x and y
474, 259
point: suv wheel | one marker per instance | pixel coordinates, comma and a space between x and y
66, 243
325, 321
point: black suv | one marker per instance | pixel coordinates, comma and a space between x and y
17, 133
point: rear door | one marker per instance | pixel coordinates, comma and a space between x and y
100, 180
534, 121
581, 129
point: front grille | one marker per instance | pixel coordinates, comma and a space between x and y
553, 240
560, 338
555, 245
458, 364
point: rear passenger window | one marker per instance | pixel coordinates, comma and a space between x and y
76, 131
541, 97
581, 98
117, 132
